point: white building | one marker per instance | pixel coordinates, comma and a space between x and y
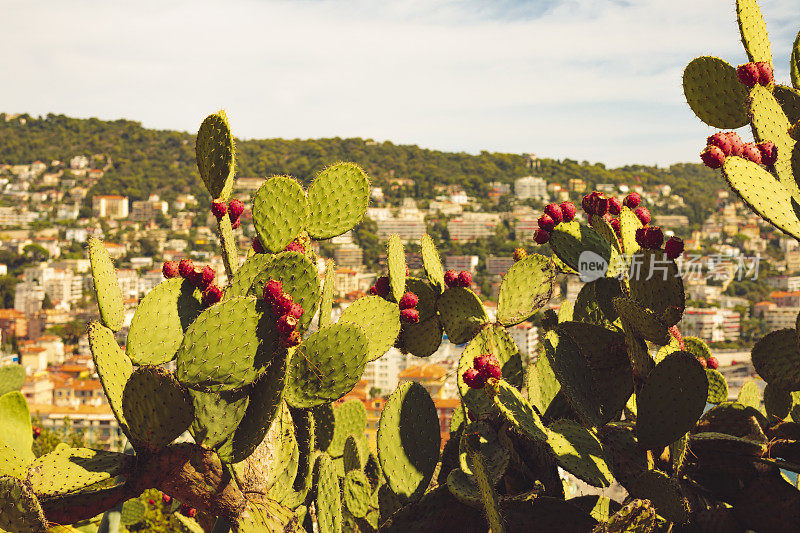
525, 336
530, 187
383, 373
781, 317
711, 325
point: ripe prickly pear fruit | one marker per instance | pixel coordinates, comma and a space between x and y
737, 144
702, 362
219, 209
185, 268
632, 201
712, 157
674, 247
409, 301
166, 498
286, 325
644, 215
650, 237
235, 209
170, 269
541, 236
293, 339
600, 206
766, 75
207, 275
554, 212
480, 362
752, 153
546, 223
519, 254
272, 291
196, 278
464, 279
211, 295
372, 291
614, 206
36, 431
257, 247
283, 304
236, 224
615, 225
451, 278
568, 211
677, 334
712, 363
382, 286
587, 203
474, 379
409, 316
721, 141
295, 246
151, 502
769, 152
748, 74
493, 371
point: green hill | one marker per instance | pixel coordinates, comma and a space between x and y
161, 161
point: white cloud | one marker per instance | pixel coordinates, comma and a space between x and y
586, 79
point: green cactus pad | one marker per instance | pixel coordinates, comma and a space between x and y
672, 346
663, 492
106, 286
462, 314
463, 488
243, 280
163, 315
113, 367
299, 277
438, 510
643, 321
622, 452
750, 395
579, 452
777, 401
215, 155
638, 516
21, 510
326, 302
717, 386
489, 498
595, 303
789, 99
396, 262
525, 289
324, 422
769, 123
427, 297
356, 493
753, 31
350, 418
12, 377
518, 411
496, 341
409, 440
267, 516
663, 292
337, 200
12, 464
776, 358
280, 212
327, 365
132, 512
486, 443
570, 239
423, 338
156, 408
305, 434
697, 347
353, 455
763, 194
714, 93
15, 425
70, 470
604, 229
542, 384
328, 502
628, 224
432, 263
671, 400
641, 361
228, 346
379, 319
566, 311
217, 415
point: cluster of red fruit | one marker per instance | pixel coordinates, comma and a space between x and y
203, 279
458, 279
36, 431
711, 362
484, 366
188, 511
287, 311
724, 144
759, 73
233, 209
652, 237
408, 302
554, 214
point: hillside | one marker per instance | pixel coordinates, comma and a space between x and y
146, 160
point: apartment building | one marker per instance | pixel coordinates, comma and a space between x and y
530, 187
110, 206
472, 226
781, 317
711, 325
409, 229
145, 210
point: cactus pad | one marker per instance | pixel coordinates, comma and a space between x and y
423, 338
697, 347
15, 425
570, 239
337, 200
579, 452
642, 320
267, 516
156, 408
485, 442
462, 314
12, 377
132, 512
244, 278
714, 93
113, 366
769, 123
328, 502
525, 289
396, 261
427, 297
326, 302
542, 384
69, 470
299, 277
280, 212
106, 286
656, 284
432, 263
717, 386
753, 31
21, 510
777, 401
628, 224
595, 303
750, 395
228, 346
519, 412
12, 464
356, 493
353, 454
350, 418
380, 320
163, 315
217, 415
663, 492
215, 155
671, 400
327, 365
776, 358
408, 440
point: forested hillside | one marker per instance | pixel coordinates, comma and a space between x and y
146, 161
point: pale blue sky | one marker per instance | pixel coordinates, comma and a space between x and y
586, 79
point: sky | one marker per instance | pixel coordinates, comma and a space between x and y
594, 80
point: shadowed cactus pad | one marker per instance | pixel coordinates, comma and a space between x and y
518, 411
579, 452
328, 502
280, 212
462, 314
356, 493
776, 358
21, 511
242, 282
570, 239
69, 470
337, 200
106, 286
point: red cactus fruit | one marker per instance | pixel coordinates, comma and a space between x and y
554, 212
712, 157
677, 334
207, 275
614, 206
766, 75
196, 278
296, 311
372, 291
286, 325
702, 362
283, 304
170, 269
519, 254
655, 237
166, 498
212, 295
257, 247
152, 502
674, 247
752, 153
191, 513
644, 215
474, 379
235, 224
493, 371
632, 201
272, 291
409, 301
769, 152
748, 74
568, 211
464, 279
721, 141
409, 316
616, 226
737, 144
235, 209
600, 205
712, 362
219, 208
185, 268
451, 278
541, 236
587, 204
36, 431
382, 286
293, 339
480, 362
546, 223
295, 246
